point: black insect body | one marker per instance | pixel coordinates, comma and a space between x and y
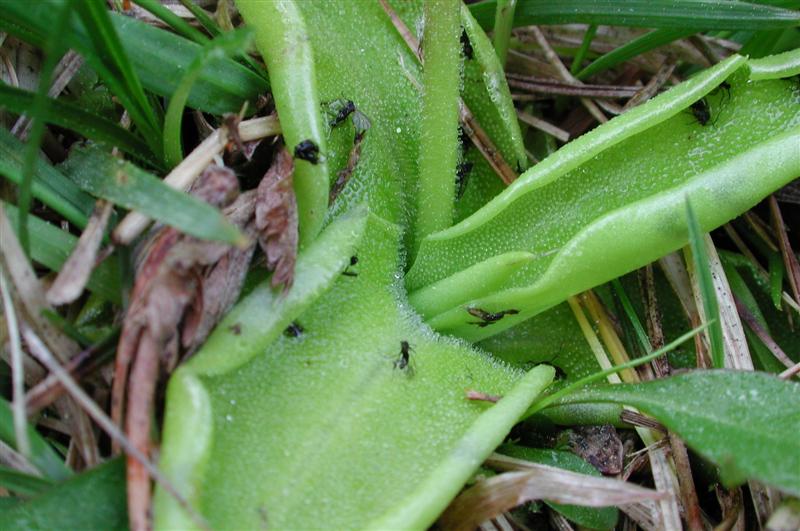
294, 330
403, 363
701, 111
462, 177
347, 108
487, 318
466, 46
347, 272
307, 150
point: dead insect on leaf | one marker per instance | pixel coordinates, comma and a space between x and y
701, 111
341, 109
361, 124
307, 150
235, 329
276, 219
347, 272
403, 362
479, 396
487, 318
294, 330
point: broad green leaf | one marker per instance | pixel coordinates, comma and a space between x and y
86, 123
336, 411
698, 14
745, 422
603, 518
42, 456
94, 499
51, 246
49, 185
608, 203
155, 54
129, 186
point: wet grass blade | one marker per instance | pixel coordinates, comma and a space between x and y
706, 284
129, 186
22, 484
697, 14
83, 122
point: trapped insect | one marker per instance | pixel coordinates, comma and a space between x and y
307, 150
403, 362
347, 272
487, 318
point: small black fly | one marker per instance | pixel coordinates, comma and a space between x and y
294, 330
307, 150
462, 177
488, 318
701, 111
403, 363
347, 272
343, 109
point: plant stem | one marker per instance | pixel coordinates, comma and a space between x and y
503, 23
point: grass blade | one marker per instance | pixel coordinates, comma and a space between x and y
118, 73
676, 14
22, 484
83, 122
172, 20
645, 43
49, 185
129, 186
225, 45
706, 284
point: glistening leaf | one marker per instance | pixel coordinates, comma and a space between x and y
609, 198
745, 422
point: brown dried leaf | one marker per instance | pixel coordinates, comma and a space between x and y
600, 446
75, 272
276, 219
492, 496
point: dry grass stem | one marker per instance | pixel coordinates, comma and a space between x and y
543, 126
789, 258
17, 370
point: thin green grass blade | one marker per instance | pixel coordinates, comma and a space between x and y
118, 72
172, 20
49, 185
586, 43
22, 484
129, 186
627, 306
676, 14
503, 24
706, 285
645, 43
202, 17
225, 45
90, 125
51, 246
37, 113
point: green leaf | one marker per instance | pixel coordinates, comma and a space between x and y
94, 499
42, 456
22, 484
777, 66
129, 186
51, 246
608, 198
49, 185
334, 411
603, 518
745, 422
86, 123
698, 14
282, 38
